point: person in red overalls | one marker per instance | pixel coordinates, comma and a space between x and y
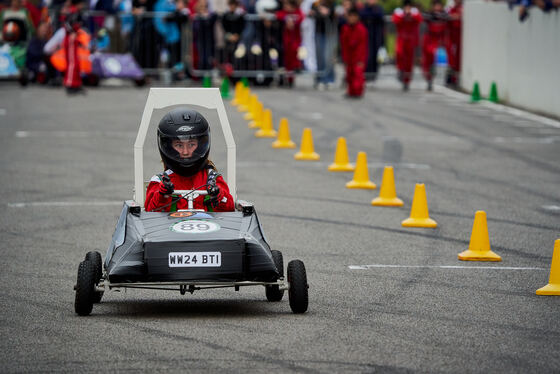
434, 37
292, 16
72, 78
453, 43
184, 145
407, 21
354, 48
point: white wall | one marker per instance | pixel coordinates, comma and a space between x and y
523, 58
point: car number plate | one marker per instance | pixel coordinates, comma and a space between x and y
194, 259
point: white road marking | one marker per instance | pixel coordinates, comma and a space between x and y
551, 207
527, 139
316, 116
498, 107
31, 204
366, 267
2, 112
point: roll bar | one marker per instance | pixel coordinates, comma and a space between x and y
159, 98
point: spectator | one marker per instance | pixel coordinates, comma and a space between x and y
453, 43
203, 36
434, 37
354, 48
233, 22
170, 15
372, 17
323, 12
407, 21
145, 43
292, 17
308, 37
17, 13
36, 61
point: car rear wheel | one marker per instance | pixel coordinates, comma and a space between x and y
274, 293
85, 288
298, 287
95, 258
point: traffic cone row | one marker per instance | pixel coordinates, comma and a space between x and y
479, 245
493, 96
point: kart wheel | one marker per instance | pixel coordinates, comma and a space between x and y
273, 293
95, 258
85, 288
298, 291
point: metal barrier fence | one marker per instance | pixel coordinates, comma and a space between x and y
263, 49
166, 43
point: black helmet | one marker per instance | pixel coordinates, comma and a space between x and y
183, 124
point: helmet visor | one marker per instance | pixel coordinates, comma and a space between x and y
184, 149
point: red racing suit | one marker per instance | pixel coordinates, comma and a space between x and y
453, 42
434, 37
71, 44
354, 48
291, 37
407, 39
156, 200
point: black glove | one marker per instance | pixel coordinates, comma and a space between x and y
212, 189
165, 186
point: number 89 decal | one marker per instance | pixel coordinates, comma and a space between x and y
195, 227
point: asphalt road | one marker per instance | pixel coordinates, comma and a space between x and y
67, 166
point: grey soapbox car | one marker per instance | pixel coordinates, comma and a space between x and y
190, 249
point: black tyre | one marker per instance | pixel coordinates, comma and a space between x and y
85, 288
95, 258
298, 291
273, 293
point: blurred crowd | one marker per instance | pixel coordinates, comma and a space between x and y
524, 6
257, 37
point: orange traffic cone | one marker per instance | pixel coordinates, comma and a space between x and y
306, 151
266, 131
256, 123
387, 192
237, 93
244, 100
341, 162
361, 174
479, 246
553, 286
419, 216
283, 140
253, 100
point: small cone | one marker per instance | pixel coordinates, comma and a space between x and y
306, 150
237, 93
553, 286
267, 129
206, 82
224, 89
493, 97
253, 100
245, 81
283, 140
419, 216
387, 192
361, 174
475, 95
256, 123
479, 246
341, 162
244, 100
